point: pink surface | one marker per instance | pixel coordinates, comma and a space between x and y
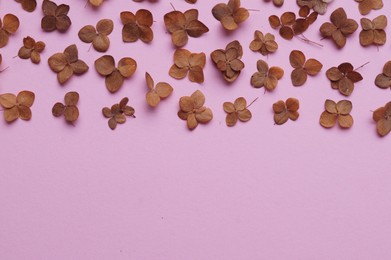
153, 190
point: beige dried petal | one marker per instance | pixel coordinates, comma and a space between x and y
327, 119
127, 67
163, 89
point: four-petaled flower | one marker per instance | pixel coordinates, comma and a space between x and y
56, 17
17, 106
118, 112
382, 117
236, 111
337, 112
192, 110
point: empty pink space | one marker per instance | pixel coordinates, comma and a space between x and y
153, 190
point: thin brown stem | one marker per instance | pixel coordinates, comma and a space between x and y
15, 56
362, 65
90, 47
253, 10
306, 40
4, 69
252, 102
172, 6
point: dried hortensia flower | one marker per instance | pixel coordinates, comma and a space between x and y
339, 28
383, 80
28, 5
156, 93
303, 67
382, 116
264, 44
66, 64
137, 26
343, 78
115, 77
96, 3
373, 31
186, 63
182, 25
118, 112
56, 17
99, 36
278, 2
266, 77
319, 6
69, 110
31, 50
237, 111
192, 110
228, 60
286, 110
230, 15
8, 26
17, 106
365, 6
290, 26
337, 112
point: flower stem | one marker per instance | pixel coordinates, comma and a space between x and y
362, 65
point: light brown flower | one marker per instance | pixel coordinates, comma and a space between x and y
319, 6
118, 112
8, 26
28, 5
66, 64
343, 78
365, 6
286, 110
137, 26
266, 77
187, 63
56, 17
192, 110
264, 44
17, 106
182, 25
99, 36
115, 76
31, 50
339, 28
373, 31
382, 117
337, 112
228, 61
69, 110
156, 93
237, 111
383, 80
230, 15
303, 67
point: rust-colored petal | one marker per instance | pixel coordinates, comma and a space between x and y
105, 65
11, 114
327, 119
345, 121
114, 81
71, 114
64, 75
25, 98
127, 67
71, 98
58, 109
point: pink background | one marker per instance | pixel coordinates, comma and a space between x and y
153, 190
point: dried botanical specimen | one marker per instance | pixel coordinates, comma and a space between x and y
17, 106
237, 111
266, 77
28, 5
137, 26
182, 25
373, 31
303, 67
31, 50
228, 60
66, 64
56, 17
339, 28
278, 2
99, 36
96, 3
158, 92
382, 116
185, 63
230, 15
115, 77
286, 110
290, 26
118, 112
337, 112
264, 44
8, 26
69, 110
343, 78
319, 6
192, 110
191, 1
383, 80
365, 6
